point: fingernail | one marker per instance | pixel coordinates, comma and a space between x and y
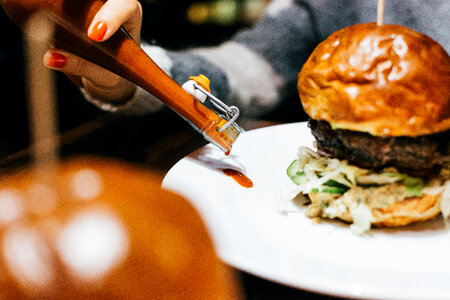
98, 31
57, 60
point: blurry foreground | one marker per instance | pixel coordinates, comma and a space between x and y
95, 228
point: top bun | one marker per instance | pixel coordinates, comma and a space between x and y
386, 80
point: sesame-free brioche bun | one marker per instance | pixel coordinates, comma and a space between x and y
404, 212
386, 80
407, 211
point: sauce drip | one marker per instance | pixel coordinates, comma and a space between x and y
238, 177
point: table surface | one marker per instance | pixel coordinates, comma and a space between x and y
157, 143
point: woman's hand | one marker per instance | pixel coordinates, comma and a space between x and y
99, 82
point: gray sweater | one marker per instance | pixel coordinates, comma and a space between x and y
257, 69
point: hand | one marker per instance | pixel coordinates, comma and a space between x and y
99, 82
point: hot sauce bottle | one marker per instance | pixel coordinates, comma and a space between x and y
123, 56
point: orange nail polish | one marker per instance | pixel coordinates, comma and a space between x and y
57, 60
98, 31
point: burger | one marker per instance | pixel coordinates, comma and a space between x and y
378, 98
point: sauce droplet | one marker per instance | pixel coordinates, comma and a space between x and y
228, 152
239, 177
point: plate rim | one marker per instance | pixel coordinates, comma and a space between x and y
230, 257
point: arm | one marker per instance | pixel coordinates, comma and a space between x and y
255, 70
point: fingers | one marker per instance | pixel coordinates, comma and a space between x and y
74, 65
98, 82
112, 15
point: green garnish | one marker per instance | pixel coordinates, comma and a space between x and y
330, 190
414, 186
324, 204
296, 173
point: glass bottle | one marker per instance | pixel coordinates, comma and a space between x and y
124, 57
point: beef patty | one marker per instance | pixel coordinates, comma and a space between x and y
416, 155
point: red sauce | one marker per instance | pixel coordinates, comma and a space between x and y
239, 177
228, 152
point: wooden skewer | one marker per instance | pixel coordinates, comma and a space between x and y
41, 95
380, 14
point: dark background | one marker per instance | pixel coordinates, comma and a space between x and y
165, 24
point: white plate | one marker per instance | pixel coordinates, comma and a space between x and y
251, 234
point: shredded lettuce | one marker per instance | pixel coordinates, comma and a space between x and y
362, 218
445, 203
313, 173
342, 189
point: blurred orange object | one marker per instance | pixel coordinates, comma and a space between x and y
101, 229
